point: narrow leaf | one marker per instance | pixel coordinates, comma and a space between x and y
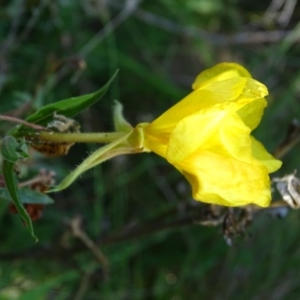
9, 176
67, 107
11, 152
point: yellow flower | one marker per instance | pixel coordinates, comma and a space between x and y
207, 137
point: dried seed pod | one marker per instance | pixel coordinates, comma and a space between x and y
60, 124
52, 149
289, 188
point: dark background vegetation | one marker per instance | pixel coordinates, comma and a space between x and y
138, 208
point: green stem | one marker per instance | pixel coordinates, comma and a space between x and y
86, 137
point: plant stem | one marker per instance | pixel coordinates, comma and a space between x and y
19, 121
86, 137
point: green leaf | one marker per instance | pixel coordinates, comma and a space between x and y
27, 196
68, 107
12, 151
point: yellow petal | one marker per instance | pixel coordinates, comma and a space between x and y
213, 151
252, 112
157, 144
260, 153
226, 181
230, 94
220, 131
220, 72
190, 104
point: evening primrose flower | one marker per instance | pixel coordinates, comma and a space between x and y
207, 137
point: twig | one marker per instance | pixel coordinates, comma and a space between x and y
45, 178
36, 13
27, 124
75, 225
128, 10
137, 231
241, 38
284, 16
287, 12
272, 11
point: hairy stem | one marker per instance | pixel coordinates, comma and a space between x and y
86, 137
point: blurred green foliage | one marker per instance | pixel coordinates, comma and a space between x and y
134, 207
